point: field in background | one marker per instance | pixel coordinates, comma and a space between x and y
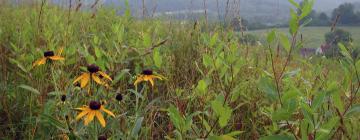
313, 36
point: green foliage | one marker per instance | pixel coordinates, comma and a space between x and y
216, 85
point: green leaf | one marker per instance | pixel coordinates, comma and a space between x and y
277, 137
355, 109
223, 112
176, 118
29, 88
307, 8
157, 58
202, 86
271, 36
137, 126
318, 100
223, 137
53, 121
98, 52
285, 42
213, 40
337, 101
234, 133
147, 40
323, 133
294, 3
207, 60
293, 22
281, 114
267, 86
18, 64
90, 59
345, 52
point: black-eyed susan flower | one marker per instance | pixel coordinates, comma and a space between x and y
102, 137
119, 97
48, 56
94, 109
63, 98
147, 75
93, 73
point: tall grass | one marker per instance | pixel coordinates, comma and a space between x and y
216, 87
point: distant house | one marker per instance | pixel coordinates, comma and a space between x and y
307, 52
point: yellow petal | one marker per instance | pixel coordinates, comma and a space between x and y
151, 82
105, 75
79, 78
157, 77
56, 58
138, 80
97, 79
85, 80
107, 111
39, 62
89, 117
82, 108
82, 114
100, 117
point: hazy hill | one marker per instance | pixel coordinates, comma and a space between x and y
263, 10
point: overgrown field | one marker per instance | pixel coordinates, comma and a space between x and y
67, 74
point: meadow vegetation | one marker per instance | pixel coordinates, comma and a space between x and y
206, 83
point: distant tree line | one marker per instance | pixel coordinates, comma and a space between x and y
347, 12
348, 16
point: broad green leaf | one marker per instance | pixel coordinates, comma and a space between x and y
294, 4
98, 52
176, 118
223, 137
18, 64
207, 60
355, 109
267, 86
271, 36
234, 133
336, 97
293, 22
318, 100
53, 121
147, 40
223, 112
277, 137
202, 86
213, 40
29, 88
323, 133
157, 58
137, 126
307, 8
345, 52
90, 59
285, 42
281, 114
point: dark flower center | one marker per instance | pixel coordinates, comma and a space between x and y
147, 72
119, 97
94, 105
48, 53
102, 137
63, 98
93, 68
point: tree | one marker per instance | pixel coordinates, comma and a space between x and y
347, 14
334, 38
323, 16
